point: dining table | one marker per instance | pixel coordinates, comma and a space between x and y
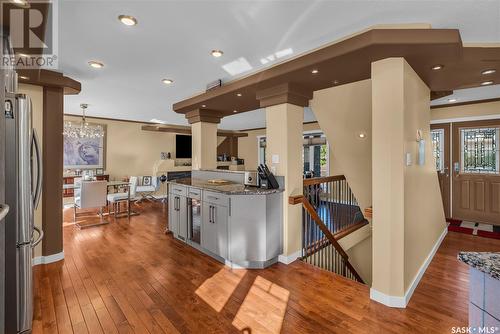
115, 185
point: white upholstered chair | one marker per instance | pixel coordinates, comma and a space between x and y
146, 192
116, 198
92, 195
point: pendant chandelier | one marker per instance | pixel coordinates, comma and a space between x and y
83, 129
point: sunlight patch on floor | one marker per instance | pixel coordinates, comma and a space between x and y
216, 290
263, 309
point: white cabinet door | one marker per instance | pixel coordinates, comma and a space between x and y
214, 229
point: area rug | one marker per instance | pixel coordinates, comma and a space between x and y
479, 229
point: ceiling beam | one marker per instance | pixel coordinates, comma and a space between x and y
187, 130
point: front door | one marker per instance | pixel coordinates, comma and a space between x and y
440, 135
475, 171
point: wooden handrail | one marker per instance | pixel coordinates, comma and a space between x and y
312, 212
369, 212
319, 180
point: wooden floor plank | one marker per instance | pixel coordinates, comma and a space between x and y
129, 277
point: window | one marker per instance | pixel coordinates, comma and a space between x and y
315, 153
479, 150
437, 138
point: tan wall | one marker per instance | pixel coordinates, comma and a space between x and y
408, 216
424, 214
129, 150
36, 95
491, 109
343, 113
358, 246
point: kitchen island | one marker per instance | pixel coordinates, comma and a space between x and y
484, 289
238, 225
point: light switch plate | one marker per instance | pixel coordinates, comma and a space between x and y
408, 159
275, 159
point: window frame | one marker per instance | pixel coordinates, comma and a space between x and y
461, 130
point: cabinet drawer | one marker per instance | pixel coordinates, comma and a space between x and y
178, 189
215, 198
194, 193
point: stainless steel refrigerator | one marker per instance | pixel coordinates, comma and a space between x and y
23, 186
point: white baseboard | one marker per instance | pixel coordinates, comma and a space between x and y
287, 259
48, 259
401, 302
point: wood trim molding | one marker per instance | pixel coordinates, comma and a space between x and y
187, 130
284, 93
204, 115
440, 94
496, 99
47, 78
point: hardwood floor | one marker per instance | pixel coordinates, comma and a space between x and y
128, 276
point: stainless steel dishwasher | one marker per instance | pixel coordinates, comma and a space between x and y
194, 215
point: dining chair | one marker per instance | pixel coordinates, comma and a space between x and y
92, 195
146, 191
117, 198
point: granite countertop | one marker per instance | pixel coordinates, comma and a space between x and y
223, 171
487, 262
230, 188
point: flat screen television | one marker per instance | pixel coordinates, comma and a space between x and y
183, 147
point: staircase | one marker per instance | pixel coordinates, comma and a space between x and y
330, 212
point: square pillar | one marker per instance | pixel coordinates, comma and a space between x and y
204, 137
284, 158
204, 145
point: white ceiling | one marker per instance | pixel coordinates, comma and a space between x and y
173, 39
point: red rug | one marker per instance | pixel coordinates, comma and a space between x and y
479, 229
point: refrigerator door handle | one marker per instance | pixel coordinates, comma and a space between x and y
39, 169
40, 237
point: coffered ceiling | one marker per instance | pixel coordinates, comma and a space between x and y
173, 40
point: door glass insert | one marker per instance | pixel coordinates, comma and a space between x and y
479, 150
437, 138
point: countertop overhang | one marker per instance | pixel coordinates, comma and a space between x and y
486, 262
230, 188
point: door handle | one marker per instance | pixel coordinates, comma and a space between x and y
213, 214
40, 237
39, 169
4, 210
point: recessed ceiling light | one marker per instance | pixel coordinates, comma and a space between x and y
167, 81
203, 105
314, 71
96, 64
23, 77
452, 100
488, 71
486, 83
238, 95
362, 135
235, 111
335, 82
127, 20
437, 67
217, 53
